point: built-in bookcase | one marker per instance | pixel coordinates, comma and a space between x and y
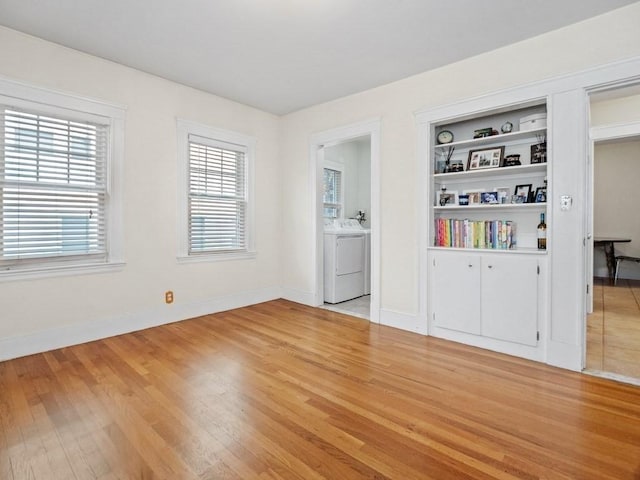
479, 168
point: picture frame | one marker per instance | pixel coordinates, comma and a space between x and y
475, 196
541, 195
523, 191
485, 158
539, 153
489, 198
504, 194
447, 198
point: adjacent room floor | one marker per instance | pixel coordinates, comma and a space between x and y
613, 329
358, 307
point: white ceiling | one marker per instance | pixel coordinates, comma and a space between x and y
284, 55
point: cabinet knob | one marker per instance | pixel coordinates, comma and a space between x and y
490, 266
470, 265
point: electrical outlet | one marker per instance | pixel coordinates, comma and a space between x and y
168, 297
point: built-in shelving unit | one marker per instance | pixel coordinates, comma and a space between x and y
486, 274
472, 179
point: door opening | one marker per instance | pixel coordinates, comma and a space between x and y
345, 195
613, 225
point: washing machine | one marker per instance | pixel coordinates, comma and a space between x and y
345, 261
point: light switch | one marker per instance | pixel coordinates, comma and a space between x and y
565, 202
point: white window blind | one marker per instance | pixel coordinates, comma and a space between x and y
217, 196
53, 188
332, 197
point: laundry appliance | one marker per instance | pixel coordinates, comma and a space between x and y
346, 260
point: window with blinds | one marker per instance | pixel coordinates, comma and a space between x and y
217, 196
53, 188
332, 196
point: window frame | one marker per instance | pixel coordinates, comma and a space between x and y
22, 96
185, 128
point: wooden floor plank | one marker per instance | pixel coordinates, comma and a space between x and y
282, 391
613, 329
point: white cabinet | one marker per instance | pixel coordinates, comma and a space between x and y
509, 298
488, 295
456, 292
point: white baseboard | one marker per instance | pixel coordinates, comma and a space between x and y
403, 321
299, 296
14, 347
500, 346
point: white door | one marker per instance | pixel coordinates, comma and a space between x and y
589, 229
456, 292
510, 299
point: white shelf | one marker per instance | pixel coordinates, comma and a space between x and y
512, 251
489, 207
493, 139
491, 172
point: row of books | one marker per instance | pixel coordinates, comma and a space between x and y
496, 234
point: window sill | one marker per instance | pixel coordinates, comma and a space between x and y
59, 270
218, 257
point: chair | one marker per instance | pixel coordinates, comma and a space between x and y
619, 260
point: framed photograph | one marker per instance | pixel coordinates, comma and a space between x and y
541, 195
447, 198
539, 153
485, 158
490, 198
523, 192
503, 194
475, 196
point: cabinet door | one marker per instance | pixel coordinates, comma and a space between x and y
510, 299
456, 292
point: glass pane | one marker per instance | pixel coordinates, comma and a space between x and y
331, 212
331, 182
43, 213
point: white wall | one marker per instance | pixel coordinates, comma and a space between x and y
36, 311
135, 295
355, 158
552, 55
615, 209
363, 200
625, 109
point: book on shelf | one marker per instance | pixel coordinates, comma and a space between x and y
465, 233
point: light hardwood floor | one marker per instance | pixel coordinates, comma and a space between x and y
613, 329
282, 391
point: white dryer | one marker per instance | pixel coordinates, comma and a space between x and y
344, 262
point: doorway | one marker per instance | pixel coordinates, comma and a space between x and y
613, 321
347, 233
350, 151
